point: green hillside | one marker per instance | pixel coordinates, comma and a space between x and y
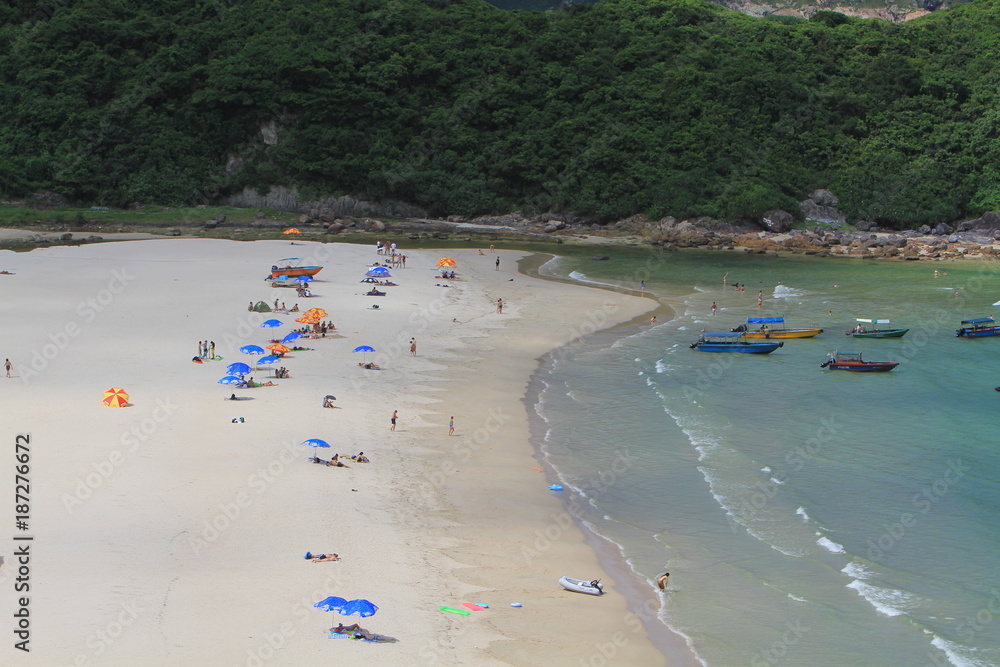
621, 107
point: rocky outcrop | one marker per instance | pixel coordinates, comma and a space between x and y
777, 221
821, 206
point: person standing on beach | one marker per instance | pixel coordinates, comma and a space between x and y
498, 263
661, 581
413, 347
211, 350
7, 365
395, 415
500, 306
451, 425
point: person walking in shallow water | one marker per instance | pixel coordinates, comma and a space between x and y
661, 581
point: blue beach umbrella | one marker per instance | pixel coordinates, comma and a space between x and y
270, 324
230, 379
378, 272
269, 359
252, 349
362, 608
331, 603
304, 279
294, 336
364, 348
238, 368
316, 442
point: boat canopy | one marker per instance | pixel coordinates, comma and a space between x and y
765, 320
869, 321
847, 356
722, 334
290, 259
979, 320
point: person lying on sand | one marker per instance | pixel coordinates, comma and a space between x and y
368, 636
359, 458
342, 629
326, 558
321, 558
370, 366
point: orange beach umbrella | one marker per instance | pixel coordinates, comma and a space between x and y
307, 319
279, 348
115, 398
315, 312
292, 230
446, 261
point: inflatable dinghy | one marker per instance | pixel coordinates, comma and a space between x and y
580, 586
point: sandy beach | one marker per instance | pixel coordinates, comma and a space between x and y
164, 533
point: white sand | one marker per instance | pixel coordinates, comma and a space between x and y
167, 535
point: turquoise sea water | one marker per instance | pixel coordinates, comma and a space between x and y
807, 516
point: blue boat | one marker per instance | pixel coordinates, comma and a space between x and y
728, 341
983, 326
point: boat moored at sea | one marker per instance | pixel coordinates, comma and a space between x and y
291, 267
862, 330
977, 328
852, 361
728, 341
765, 329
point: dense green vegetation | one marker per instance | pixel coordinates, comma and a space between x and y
661, 107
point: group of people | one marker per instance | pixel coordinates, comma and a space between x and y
396, 260
206, 349
282, 309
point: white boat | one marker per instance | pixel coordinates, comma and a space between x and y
581, 586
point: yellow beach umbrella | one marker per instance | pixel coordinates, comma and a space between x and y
315, 312
446, 262
293, 230
279, 348
115, 398
307, 319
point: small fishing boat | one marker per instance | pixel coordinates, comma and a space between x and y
767, 330
581, 586
728, 341
291, 267
977, 328
863, 331
852, 361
